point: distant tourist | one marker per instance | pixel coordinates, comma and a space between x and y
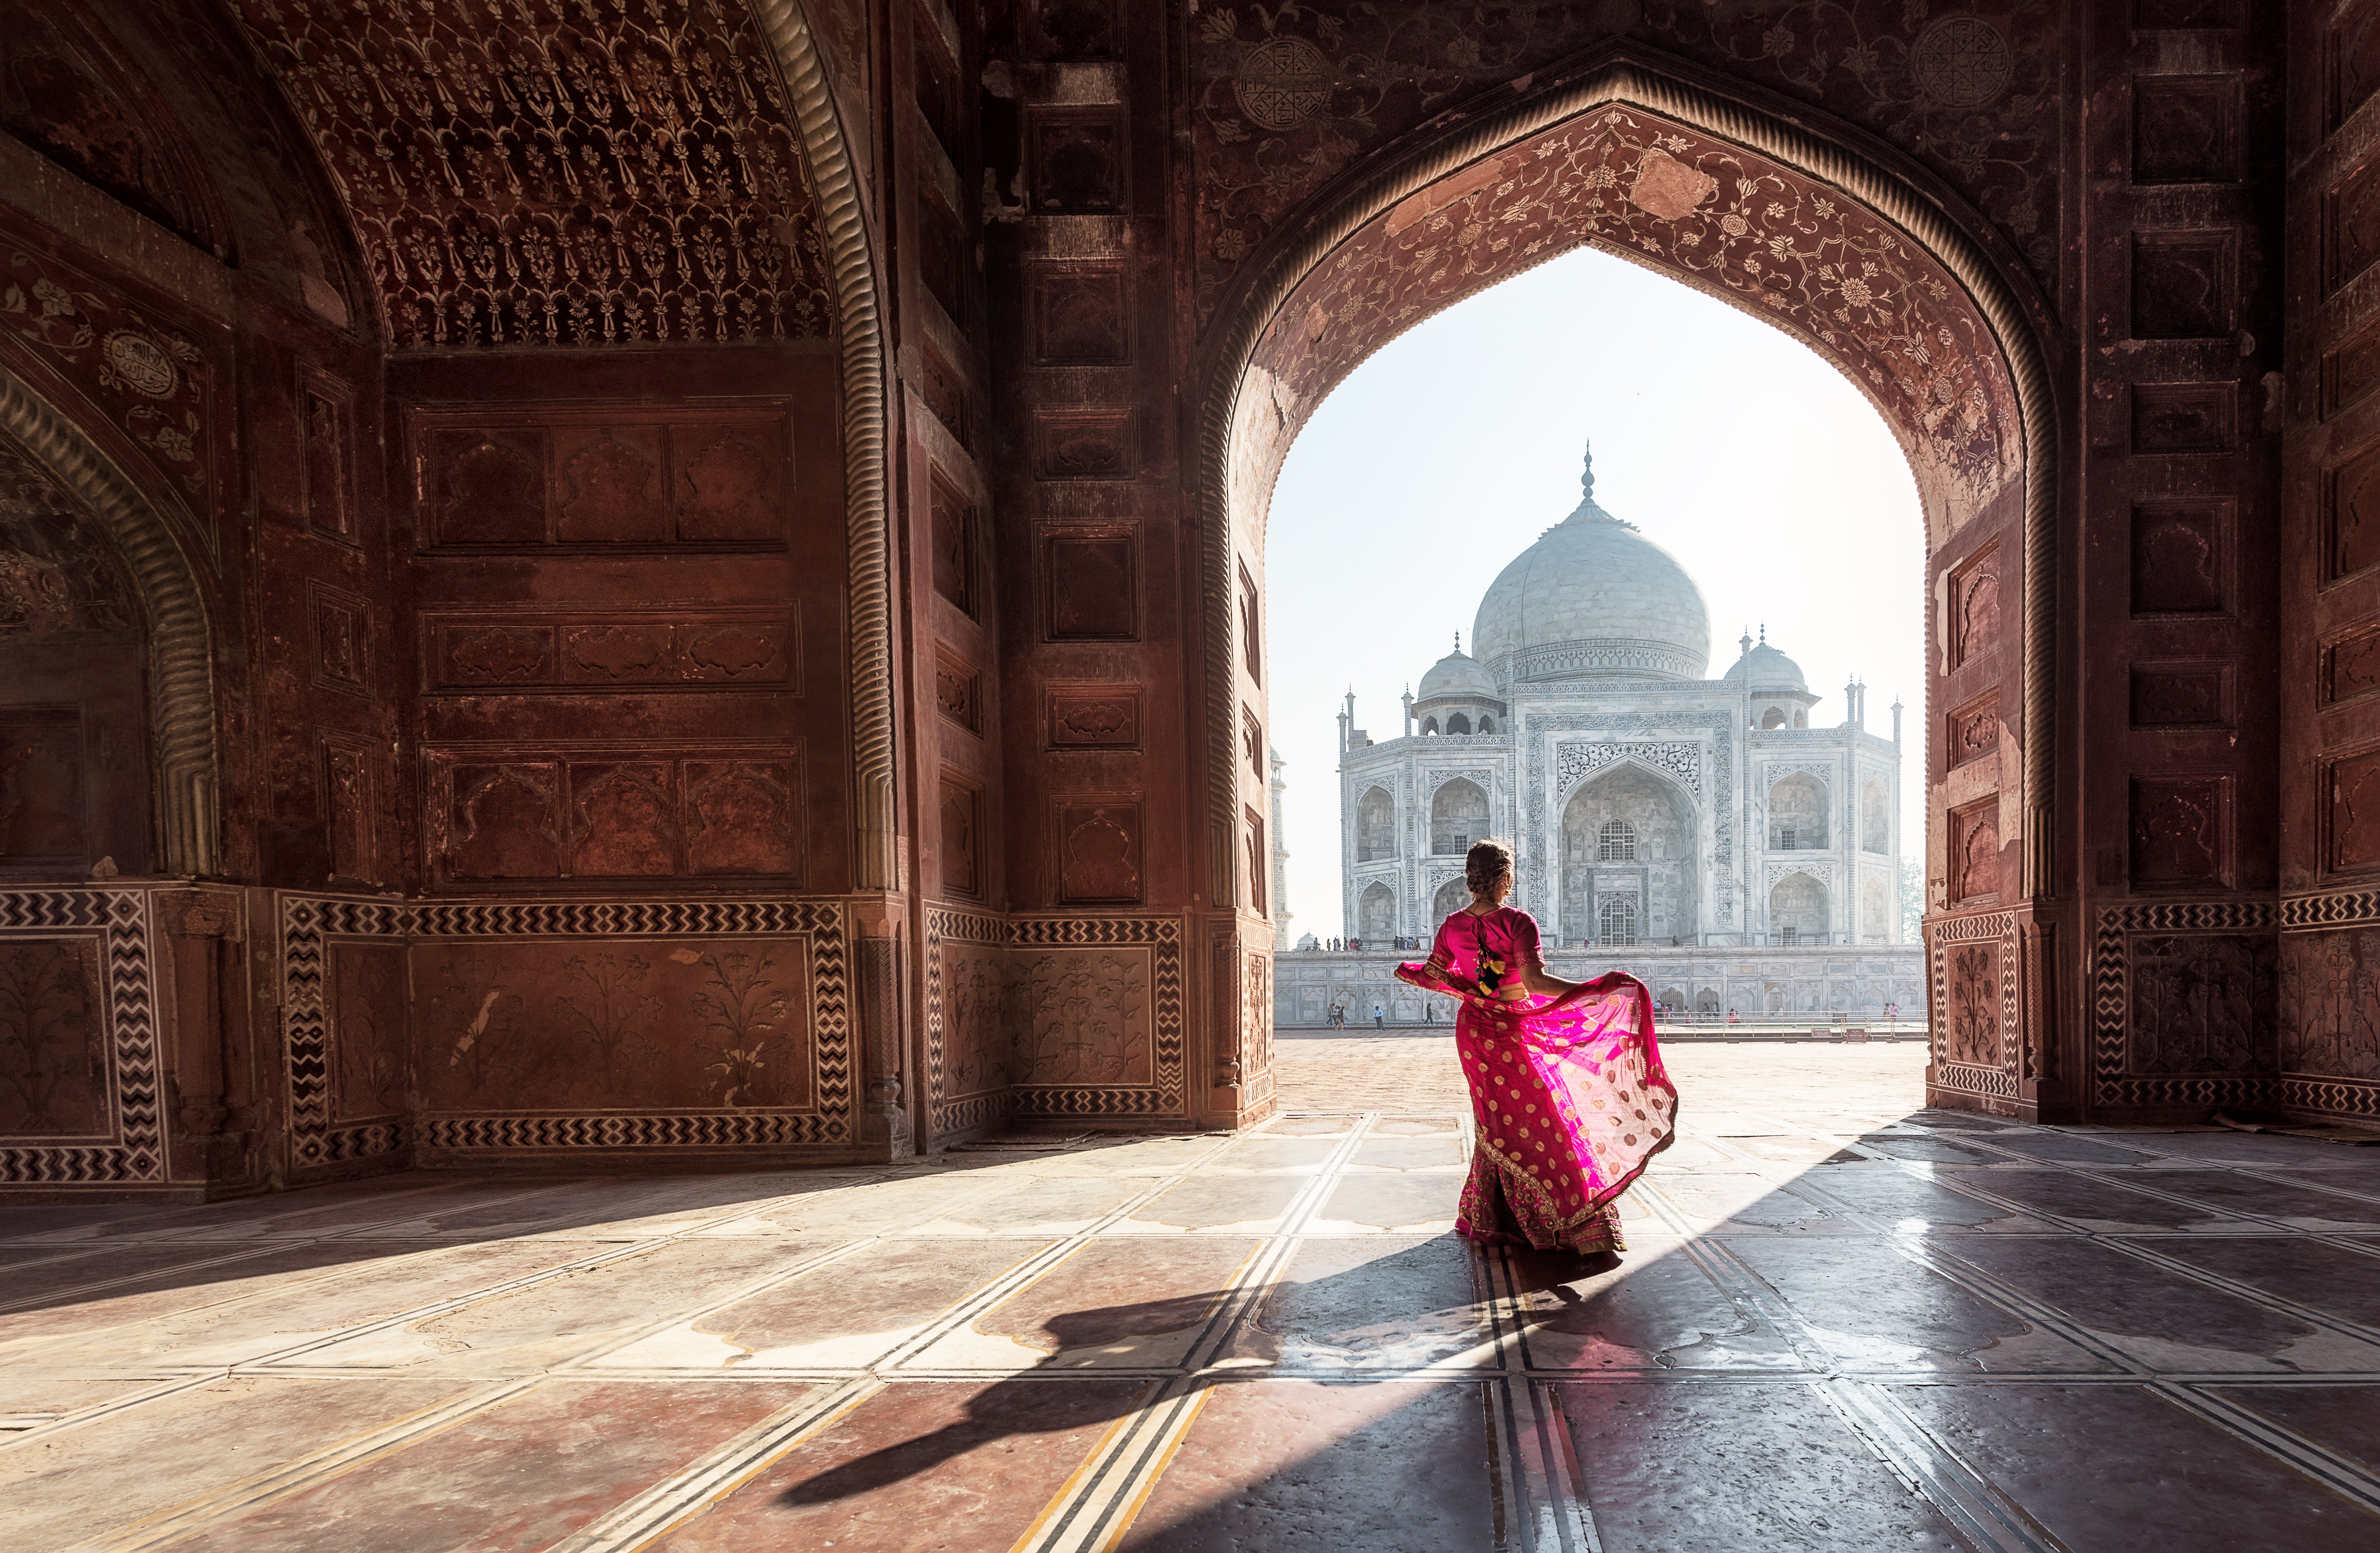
1380, 1017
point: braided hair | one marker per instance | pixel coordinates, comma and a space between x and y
1485, 864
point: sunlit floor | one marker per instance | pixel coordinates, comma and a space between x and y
1844, 1323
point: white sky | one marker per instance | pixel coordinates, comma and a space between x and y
1743, 452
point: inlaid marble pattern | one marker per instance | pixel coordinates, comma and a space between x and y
1845, 1322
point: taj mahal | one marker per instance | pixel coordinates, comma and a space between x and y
1714, 834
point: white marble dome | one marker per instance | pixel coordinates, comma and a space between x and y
1457, 674
1764, 668
1593, 599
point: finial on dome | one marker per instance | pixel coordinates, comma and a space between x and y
1458, 641
1586, 476
1764, 633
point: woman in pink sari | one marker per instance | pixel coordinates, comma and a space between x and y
1566, 1079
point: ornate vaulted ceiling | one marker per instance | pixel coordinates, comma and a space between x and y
537, 173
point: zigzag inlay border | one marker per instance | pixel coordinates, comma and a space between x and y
684, 1129
2330, 908
1166, 1095
308, 922
2111, 995
2330, 1097
119, 923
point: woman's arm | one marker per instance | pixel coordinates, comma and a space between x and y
1544, 984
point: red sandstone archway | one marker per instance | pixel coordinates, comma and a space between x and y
1836, 240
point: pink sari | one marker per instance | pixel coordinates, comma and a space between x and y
1570, 1095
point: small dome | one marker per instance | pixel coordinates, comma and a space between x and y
1764, 668
1457, 674
1593, 596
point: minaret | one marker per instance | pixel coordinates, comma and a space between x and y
1408, 711
1896, 721
1346, 721
1281, 916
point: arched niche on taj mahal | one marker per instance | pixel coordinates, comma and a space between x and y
1629, 835
1814, 228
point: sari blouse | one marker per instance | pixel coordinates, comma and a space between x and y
1487, 952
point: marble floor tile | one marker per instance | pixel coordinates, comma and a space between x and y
1392, 1466
2120, 1467
1672, 1468
920, 1467
1123, 1300
1378, 1302
1654, 1308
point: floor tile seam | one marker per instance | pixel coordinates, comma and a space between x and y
650, 1515
2238, 1290
2078, 1228
1964, 1496
80, 1417
1995, 1290
1017, 1279
73, 1294
2218, 1211
1156, 1441
2267, 1176
453, 1302
1572, 1504
1553, 1517
739, 1293
161, 1210
1245, 1290
1743, 1287
233, 1499
527, 1192
2348, 1478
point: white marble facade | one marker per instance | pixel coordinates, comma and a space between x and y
1651, 807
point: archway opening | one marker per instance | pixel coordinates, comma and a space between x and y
1830, 240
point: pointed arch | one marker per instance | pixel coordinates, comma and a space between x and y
853, 270
1262, 381
181, 656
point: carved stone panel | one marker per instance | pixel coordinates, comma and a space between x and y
54, 1058
2185, 285
980, 1051
342, 638
1080, 161
1085, 444
595, 815
2189, 418
1093, 586
2351, 370
2186, 694
2352, 812
2350, 226
1973, 731
1975, 852
2185, 130
958, 688
2351, 665
2202, 1002
351, 798
571, 651
1099, 852
594, 479
652, 186
961, 842
611, 485
742, 817
2181, 555
1080, 316
1974, 606
2350, 500
2150, 15
1971, 988
952, 521
2352, 58
2180, 832
2330, 1003
326, 429
1095, 717
372, 1067
605, 1024
1083, 1016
